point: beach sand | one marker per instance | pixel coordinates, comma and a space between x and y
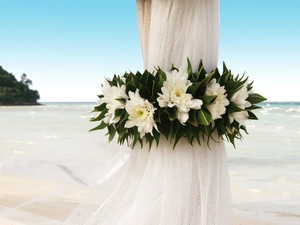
16, 191
28, 129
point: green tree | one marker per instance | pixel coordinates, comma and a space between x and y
13, 92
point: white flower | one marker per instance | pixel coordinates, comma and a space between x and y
174, 94
239, 99
140, 114
111, 94
217, 107
240, 117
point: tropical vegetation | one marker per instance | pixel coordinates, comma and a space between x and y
14, 92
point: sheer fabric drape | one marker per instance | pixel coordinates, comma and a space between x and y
173, 30
97, 183
188, 185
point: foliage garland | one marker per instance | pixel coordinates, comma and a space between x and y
177, 104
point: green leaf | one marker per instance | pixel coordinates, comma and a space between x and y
205, 129
231, 139
174, 68
122, 100
171, 112
224, 68
192, 77
220, 127
100, 107
225, 77
205, 82
144, 78
156, 136
229, 85
198, 88
200, 66
123, 119
162, 74
194, 88
217, 74
101, 126
147, 80
196, 133
123, 132
204, 116
203, 73
197, 76
100, 116
234, 86
252, 116
165, 126
119, 112
250, 86
232, 107
135, 79
189, 69
253, 107
130, 87
145, 93
161, 77
207, 99
244, 129
136, 137
175, 127
153, 90
112, 132
255, 98
189, 136
149, 139
192, 118
180, 133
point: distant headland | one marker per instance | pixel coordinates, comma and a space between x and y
14, 92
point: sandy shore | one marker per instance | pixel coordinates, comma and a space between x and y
17, 191
246, 217
23, 131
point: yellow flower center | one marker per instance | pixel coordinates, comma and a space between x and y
140, 113
178, 93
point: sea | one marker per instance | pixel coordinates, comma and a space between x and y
264, 167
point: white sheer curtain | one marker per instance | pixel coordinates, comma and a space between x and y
188, 185
85, 181
172, 30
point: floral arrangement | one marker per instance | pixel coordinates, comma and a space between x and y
177, 104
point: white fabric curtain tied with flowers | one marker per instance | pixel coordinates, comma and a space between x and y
188, 185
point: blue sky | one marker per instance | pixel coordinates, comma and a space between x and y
67, 47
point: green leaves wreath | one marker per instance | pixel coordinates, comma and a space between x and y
177, 104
